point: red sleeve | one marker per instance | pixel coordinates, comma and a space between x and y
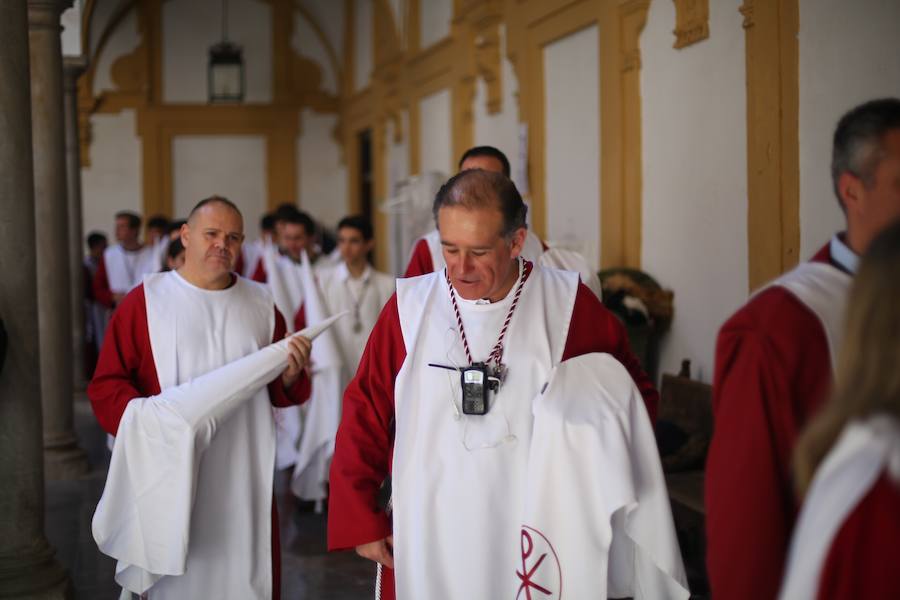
102, 293
772, 370
125, 367
420, 262
300, 318
259, 274
595, 329
862, 561
362, 454
300, 391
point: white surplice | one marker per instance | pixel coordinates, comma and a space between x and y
597, 521
322, 414
145, 518
863, 451
341, 292
824, 290
457, 514
125, 269
186, 494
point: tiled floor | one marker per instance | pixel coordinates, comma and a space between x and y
308, 572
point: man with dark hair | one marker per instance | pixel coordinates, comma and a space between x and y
252, 252
124, 265
157, 227
288, 273
441, 400
353, 285
295, 233
174, 327
427, 256
96, 316
774, 365
173, 231
485, 157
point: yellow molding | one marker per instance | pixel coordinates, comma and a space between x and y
531, 26
159, 125
691, 22
627, 249
773, 204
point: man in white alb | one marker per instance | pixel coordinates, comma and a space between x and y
175, 327
124, 265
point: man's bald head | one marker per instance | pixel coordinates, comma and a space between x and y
214, 201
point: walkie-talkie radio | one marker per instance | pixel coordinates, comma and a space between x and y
476, 383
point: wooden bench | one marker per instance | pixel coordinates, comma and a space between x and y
684, 428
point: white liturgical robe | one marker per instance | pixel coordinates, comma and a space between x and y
206, 441
126, 269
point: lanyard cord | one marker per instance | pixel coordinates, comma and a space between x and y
497, 352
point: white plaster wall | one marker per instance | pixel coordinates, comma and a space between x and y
308, 45
321, 176
501, 129
100, 17
694, 238
70, 37
330, 17
572, 136
849, 53
230, 166
113, 182
123, 40
435, 139
362, 44
434, 21
190, 28
397, 160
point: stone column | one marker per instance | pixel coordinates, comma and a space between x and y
27, 566
72, 69
63, 459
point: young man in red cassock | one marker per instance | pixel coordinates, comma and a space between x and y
179, 325
402, 410
774, 365
123, 266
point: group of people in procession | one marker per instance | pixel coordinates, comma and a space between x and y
480, 428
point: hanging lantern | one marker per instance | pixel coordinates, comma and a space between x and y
226, 68
226, 73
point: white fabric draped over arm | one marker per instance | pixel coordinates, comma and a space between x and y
595, 489
143, 517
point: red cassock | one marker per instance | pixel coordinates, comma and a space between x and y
864, 557
125, 370
773, 372
364, 445
420, 262
100, 285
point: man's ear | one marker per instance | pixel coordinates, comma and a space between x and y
851, 190
185, 234
517, 241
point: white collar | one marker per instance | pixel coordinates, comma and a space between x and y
843, 255
343, 273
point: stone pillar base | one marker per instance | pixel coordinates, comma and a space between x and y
64, 460
34, 574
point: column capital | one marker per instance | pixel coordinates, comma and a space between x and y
73, 67
44, 14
